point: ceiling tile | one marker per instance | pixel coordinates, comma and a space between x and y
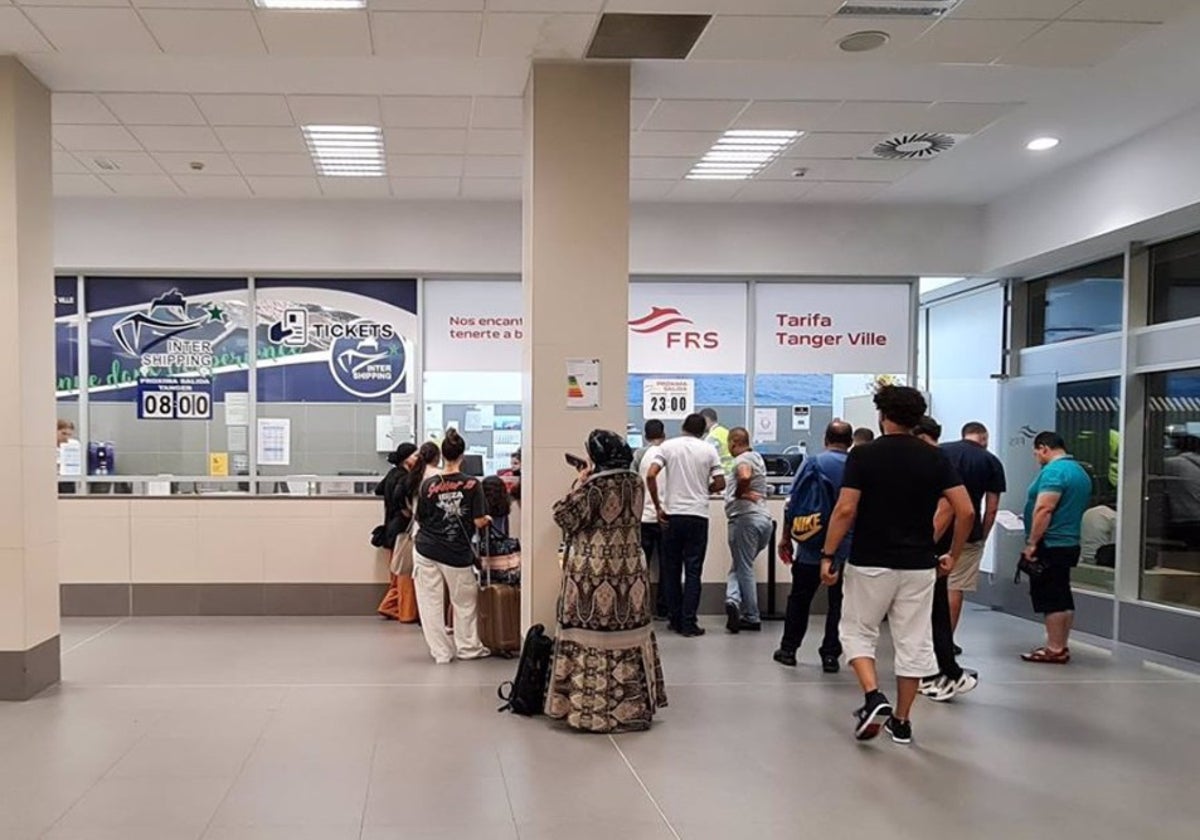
154, 108
425, 141
127, 163
18, 35
66, 164
833, 145
213, 186
142, 185
694, 114
1074, 44
970, 41
878, 116
494, 166
649, 190
80, 109
833, 192
885, 171
775, 191
737, 38
426, 111
639, 109
180, 163
425, 188
653, 169
70, 184
177, 138
114, 3
803, 116
308, 34
1144, 11
544, 5
262, 139
109, 138
355, 187
492, 189
1014, 9
508, 35
284, 187
498, 112
205, 31
245, 109
428, 5
184, 4
705, 191
903, 32
335, 110
251, 163
967, 117
491, 141
425, 166
447, 36
93, 30
689, 144
728, 7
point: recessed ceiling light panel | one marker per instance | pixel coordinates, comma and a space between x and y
311, 5
1042, 144
349, 151
741, 154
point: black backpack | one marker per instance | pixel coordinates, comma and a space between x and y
526, 693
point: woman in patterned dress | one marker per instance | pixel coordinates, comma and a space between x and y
606, 674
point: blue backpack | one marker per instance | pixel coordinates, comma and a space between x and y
810, 504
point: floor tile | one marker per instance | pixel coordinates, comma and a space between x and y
184, 805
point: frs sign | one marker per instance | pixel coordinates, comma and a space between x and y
675, 329
678, 328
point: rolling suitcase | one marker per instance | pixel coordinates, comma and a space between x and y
499, 611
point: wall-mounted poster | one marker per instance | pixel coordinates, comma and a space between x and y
335, 340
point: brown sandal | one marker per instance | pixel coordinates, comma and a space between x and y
1046, 656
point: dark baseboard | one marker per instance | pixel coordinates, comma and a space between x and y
24, 673
214, 599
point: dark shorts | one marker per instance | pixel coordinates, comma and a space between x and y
1051, 592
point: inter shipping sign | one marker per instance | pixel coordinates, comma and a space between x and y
827, 328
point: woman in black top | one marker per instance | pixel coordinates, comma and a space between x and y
450, 509
399, 602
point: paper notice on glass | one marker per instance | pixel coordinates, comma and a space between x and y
237, 408
487, 416
404, 418
70, 458
274, 441
218, 464
434, 421
237, 438
1009, 521
473, 422
583, 383
507, 437
801, 418
384, 433
765, 425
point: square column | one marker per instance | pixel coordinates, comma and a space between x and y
29, 648
576, 288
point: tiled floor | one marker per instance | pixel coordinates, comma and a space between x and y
341, 729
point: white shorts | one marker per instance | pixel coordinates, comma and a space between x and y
965, 577
906, 598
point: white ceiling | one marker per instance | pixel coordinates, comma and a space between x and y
153, 86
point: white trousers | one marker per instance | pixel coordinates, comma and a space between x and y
905, 596
430, 577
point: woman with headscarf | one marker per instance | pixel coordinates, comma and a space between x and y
606, 674
400, 601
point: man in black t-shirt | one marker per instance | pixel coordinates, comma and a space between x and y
889, 496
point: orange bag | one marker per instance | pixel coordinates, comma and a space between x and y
400, 602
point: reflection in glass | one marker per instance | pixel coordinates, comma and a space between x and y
1175, 280
1077, 304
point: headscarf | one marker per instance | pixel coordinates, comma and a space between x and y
609, 451
401, 454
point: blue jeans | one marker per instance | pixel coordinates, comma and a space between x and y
749, 535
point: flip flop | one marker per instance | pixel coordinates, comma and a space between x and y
1046, 656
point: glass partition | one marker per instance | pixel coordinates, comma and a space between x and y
1175, 280
1076, 304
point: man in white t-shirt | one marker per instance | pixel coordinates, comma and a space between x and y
652, 529
693, 473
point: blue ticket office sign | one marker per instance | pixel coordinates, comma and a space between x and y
175, 398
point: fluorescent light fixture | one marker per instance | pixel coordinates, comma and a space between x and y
741, 154
312, 5
346, 151
1042, 144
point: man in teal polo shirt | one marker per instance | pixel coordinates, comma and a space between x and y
1054, 511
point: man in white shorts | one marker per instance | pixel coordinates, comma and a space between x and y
889, 495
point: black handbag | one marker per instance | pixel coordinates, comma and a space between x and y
526, 693
1033, 569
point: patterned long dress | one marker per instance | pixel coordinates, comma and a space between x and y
607, 676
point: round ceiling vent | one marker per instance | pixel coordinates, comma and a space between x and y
863, 41
914, 146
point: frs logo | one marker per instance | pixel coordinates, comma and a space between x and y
668, 320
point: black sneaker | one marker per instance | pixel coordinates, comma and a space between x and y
692, 632
750, 626
785, 657
900, 730
733, 617
830, 664
957, 650
872, 716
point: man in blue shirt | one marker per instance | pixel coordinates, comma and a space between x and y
1054, 512
814, 493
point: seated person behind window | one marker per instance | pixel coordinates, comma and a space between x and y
1099, 528
1182, 471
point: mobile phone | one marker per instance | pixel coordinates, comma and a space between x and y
575, 461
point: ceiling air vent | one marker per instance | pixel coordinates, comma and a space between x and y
647, 36
897, 8
922, 145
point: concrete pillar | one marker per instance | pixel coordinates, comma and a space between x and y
576, 287
29, 649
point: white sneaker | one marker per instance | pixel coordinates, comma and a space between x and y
967, 682
944, 690
928, 686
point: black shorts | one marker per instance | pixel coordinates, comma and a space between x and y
1051, 591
